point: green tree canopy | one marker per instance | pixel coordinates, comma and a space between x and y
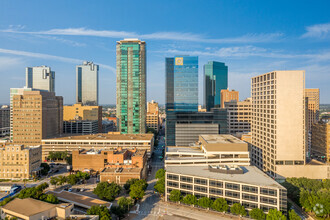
274, 214
175, 195
129, 182
220, 205
125, 203
257, 214
190, 200
293, 215
136, 191
101, 211
107, 191
54, 180
51, 199
238, 209
205, 202
160, 174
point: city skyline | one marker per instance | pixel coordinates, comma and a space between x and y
251, 41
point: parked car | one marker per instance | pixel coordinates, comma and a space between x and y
70, 190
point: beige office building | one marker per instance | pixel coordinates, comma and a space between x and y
152, 115
227, 96
79, 112
239, 116
321, 141
19, 162
279, 126
36, 115
101, 141
313, 108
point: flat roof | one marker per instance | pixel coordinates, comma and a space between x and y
252, 175
28, 206
104, 136
222, 139
79, 200
171, 149
121, 170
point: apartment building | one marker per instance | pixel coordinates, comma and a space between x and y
237, 184
101, 141
79, 112
227, 96
98, 160
36, 115
152, 118
321, 141
239, 116
19, 162
210, 150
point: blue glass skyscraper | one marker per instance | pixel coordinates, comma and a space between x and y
215, 79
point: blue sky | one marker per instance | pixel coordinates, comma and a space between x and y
251, 37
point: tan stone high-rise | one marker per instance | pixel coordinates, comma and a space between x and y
321, 141
227, 96
152, 115
37, 115
81, 112
278, 120
313, 96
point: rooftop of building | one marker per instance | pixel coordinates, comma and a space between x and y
121, 170
105, 136
221, 139
174, 149
251, 175
28, 206
79, 200
22, 147
118, 151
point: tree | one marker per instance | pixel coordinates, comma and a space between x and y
257, 214
118, 211
61, 180
205, 202
160, 174
293, 215
274, 214
51, 199
190, 199
238, 209
220, 205
175, 195
136, 191
128, 183
107, 191
102, 211
54, 181
72, 179
125, 203
42, 186
44, 168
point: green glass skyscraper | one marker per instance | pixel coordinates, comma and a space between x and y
131, 86
215, 79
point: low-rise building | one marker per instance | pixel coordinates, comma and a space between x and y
80, 127
32, 209
211, 149
321, 141
121, 175
237, 184
100, 141
98, 160
19, 162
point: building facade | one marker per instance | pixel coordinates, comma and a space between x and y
79, 112
227, 96
110, 141
236, 184
87, 86
278, 100
36, 115
313, 107
131, 86
80, 127
215, 80
321, 141
40, 78
153, 115
239, 116
4, 121
19, 162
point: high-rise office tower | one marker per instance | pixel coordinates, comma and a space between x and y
36, 115
131, 86
278, 121
40, 78
215, 79
87, 86
227, 96
15, 91
313, 96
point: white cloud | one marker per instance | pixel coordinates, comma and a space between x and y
62, 40
317, 31
181, 36
50, 57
